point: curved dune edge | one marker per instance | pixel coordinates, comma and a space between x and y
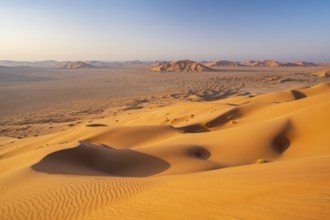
322, 73
241, 157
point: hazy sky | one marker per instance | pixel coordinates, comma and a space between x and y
165, 29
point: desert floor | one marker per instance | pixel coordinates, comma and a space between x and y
128, 143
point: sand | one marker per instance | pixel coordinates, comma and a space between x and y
44, 101
243, 156
322, 73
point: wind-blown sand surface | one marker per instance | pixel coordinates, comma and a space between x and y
43, 101
247, 156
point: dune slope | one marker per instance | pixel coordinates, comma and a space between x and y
322, 73
244, 157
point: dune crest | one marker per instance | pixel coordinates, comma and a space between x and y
322, 73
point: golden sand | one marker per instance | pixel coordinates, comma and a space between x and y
246, 157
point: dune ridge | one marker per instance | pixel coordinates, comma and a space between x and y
253, 156
322, 73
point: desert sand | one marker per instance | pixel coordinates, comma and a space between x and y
232, 144
323, 73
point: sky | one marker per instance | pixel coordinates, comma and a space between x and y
114, 30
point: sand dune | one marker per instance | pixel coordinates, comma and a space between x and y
183, 66
322, 73
243, 157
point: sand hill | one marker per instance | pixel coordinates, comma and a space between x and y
322, 73
183, 66
244, 157
77, 65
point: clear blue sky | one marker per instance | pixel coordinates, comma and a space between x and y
165, 29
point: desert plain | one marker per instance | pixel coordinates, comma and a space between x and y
125, 142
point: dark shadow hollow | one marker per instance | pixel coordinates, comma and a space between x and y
100, 160
200, 153
281, 143
194, 128
298, 95
96, 125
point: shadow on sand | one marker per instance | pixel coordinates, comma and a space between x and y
100, 160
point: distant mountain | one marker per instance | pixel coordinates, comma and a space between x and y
183, 66
268, 63
248, 63
77, 65
104, 64
100, 64
134, 62
222, 63
10, 63
47, 64
39, 64
299, 63
161, 63
265, 63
